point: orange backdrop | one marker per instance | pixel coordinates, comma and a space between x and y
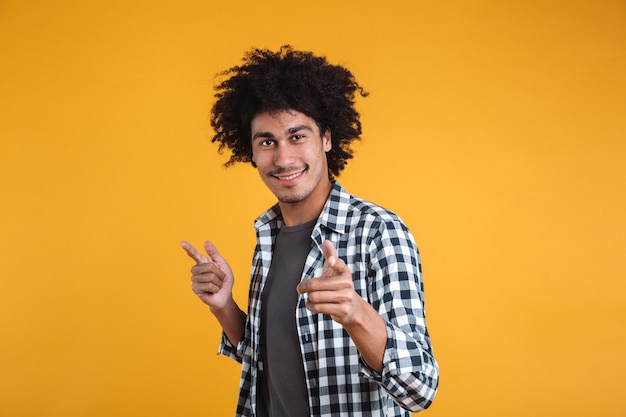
496, 129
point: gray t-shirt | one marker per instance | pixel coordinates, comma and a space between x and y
283, 391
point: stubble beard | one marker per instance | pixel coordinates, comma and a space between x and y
294, 197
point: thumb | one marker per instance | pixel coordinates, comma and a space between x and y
211, 250
194, 253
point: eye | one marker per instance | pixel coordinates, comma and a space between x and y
297, 137
267, 142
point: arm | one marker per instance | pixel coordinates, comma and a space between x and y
336, 296
410, 374
212, 281
390, 333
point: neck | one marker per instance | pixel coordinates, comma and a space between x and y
306, 210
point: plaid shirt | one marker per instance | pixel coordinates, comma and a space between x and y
383, 257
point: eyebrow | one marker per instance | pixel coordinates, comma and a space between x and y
289, 131
262, 135
295, 129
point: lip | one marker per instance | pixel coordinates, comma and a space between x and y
289, 178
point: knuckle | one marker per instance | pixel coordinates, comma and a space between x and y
198, 269
346, 282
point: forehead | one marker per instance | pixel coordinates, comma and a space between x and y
281, 121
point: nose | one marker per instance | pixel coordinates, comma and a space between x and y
283, 156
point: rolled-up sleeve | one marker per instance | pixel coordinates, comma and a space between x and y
229, 350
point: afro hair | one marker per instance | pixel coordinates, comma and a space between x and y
286, 80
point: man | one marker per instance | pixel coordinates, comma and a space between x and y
335, 323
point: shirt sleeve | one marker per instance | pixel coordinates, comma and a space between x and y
410, 373
229, 350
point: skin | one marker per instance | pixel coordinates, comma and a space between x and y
289, 152
291, 160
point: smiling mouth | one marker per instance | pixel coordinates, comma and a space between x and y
290, 177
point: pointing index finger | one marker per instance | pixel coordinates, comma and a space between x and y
329, 252
333, 262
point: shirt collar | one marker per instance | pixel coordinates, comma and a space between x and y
333, 215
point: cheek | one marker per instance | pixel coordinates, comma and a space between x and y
257, 159
262, 160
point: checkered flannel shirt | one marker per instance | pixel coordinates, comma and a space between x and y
383, 257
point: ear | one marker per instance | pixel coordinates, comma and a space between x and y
327, 142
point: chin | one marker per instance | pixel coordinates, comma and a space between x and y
291, 199
292, 196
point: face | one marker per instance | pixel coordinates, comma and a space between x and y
289, 152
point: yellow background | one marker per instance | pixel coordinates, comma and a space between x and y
496, 129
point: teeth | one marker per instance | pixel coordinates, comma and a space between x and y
289, 177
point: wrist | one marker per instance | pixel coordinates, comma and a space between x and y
224, 309
232, 320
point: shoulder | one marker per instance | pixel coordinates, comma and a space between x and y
354, 211
366, 208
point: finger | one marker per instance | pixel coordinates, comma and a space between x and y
329, 253
207, 268
332, 309
333, 265
211, 250
330, 286
194, 253
206, 287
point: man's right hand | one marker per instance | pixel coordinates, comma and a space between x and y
211, 278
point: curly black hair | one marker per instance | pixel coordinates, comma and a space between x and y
287, 80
